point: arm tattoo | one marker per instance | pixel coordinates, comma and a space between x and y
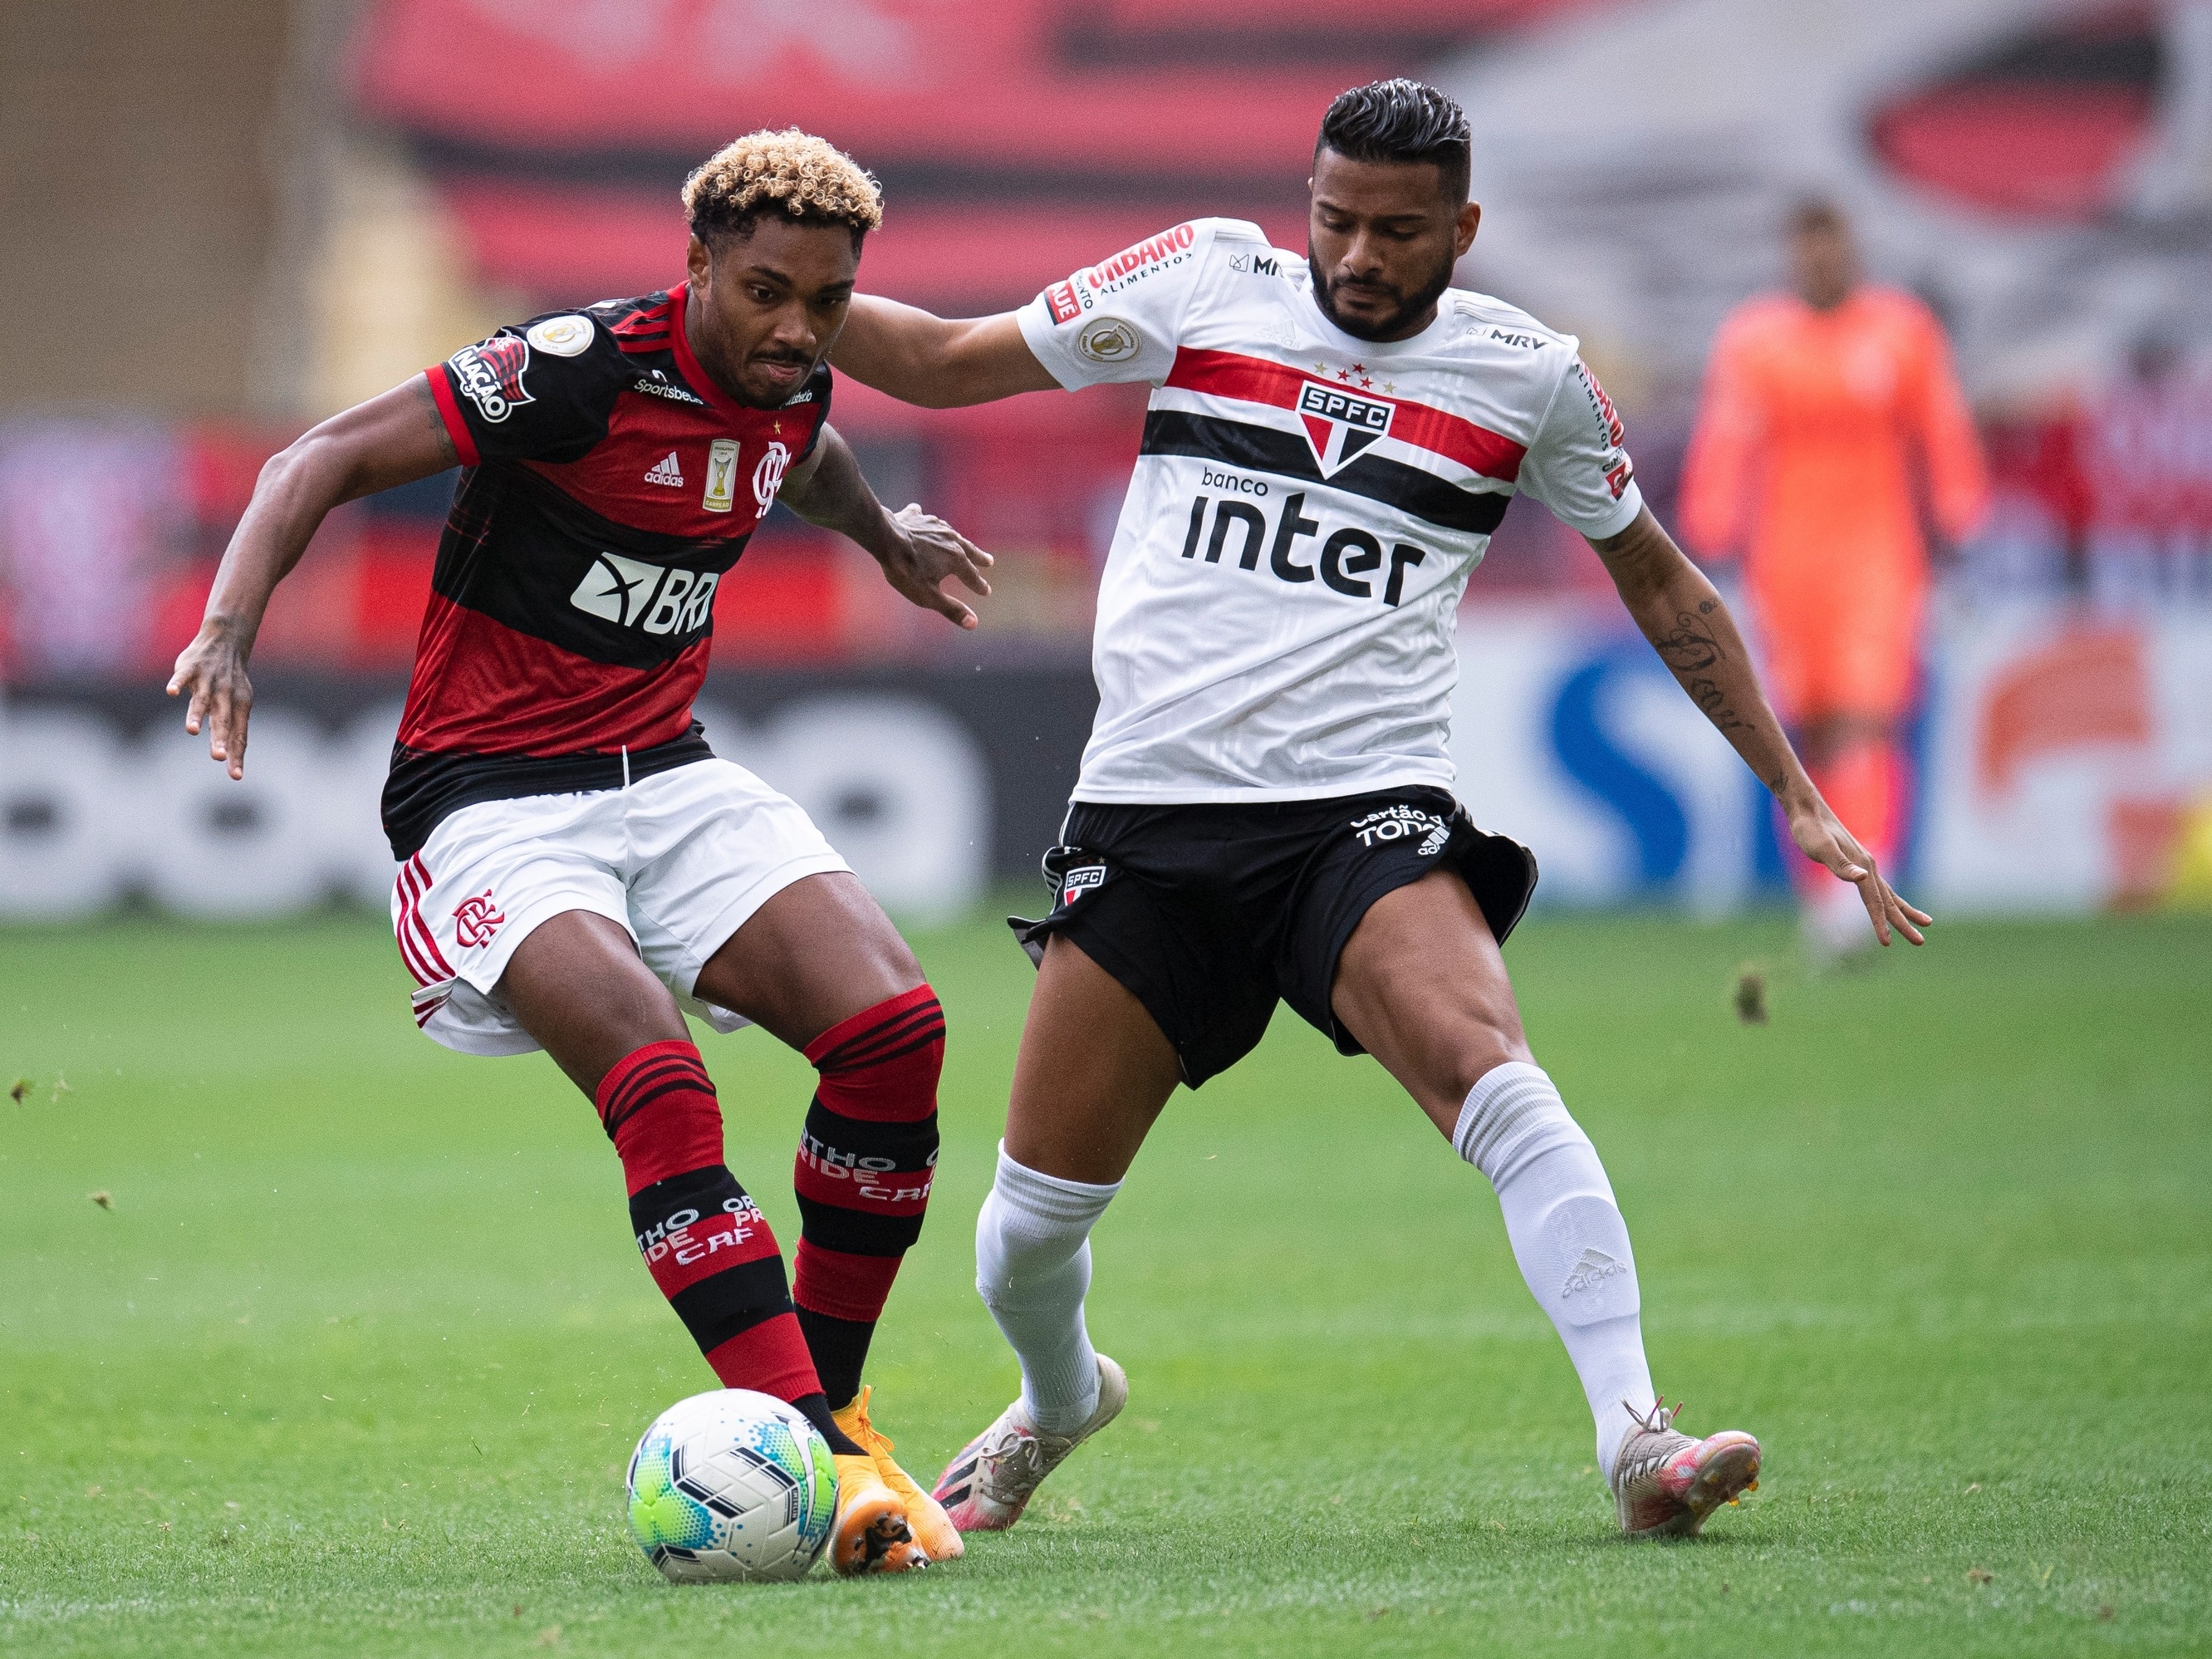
1690, 647
1709, 696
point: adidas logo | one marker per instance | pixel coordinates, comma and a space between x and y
666, 471
1593, 1269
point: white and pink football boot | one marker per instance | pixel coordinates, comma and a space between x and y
987, 1486
1665, 1484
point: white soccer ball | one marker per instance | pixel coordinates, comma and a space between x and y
732, 1484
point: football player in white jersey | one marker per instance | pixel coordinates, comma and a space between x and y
1264, 807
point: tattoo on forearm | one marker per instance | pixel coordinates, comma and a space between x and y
1691, 646
1709, 696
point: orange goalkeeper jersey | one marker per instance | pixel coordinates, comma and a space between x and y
1813, 426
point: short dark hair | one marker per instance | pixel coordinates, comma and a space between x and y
1401, 120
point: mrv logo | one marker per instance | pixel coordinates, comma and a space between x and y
1343, 560
638, 595
1339, 424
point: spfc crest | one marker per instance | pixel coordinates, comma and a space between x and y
1080, 881
1339, 424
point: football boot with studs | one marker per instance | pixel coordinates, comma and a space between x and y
990, 1483
1665, 1483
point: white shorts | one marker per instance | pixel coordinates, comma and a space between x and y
682, 859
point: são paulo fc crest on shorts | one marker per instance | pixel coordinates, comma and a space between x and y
1339, 424
1080, 881
490, 375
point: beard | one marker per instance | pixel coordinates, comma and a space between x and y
1407, 308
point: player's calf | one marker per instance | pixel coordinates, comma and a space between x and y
714, 1257
865, 1163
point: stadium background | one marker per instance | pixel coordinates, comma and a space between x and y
225, 220
316, 1337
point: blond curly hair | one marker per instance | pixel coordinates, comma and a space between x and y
792, 174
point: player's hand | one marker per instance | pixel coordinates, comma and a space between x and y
1820, 835
924, 550
212, 671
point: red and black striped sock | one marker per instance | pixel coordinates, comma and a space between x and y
705, 1241
863, 1174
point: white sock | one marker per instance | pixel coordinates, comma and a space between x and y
1032, 1268
1567, 1234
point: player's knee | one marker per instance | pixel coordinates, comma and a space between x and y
883, 1064
1475, 1045
658, 1106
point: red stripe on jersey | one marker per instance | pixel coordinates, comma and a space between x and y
449, 411
651, 318
482, 687
1257, 380
644, 330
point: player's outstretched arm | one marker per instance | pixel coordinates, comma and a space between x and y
392, 438
918, 358
917, 550
1683, 615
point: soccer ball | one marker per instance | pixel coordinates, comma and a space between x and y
732, 1484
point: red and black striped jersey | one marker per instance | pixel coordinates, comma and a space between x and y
608, 485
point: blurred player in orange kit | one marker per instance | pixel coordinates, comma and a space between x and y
1820, 407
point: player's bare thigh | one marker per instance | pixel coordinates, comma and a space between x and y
579, 986
817, 953
1093, 1073
1421, 983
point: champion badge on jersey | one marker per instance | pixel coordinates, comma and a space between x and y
721, 475
561, 336
1339, 424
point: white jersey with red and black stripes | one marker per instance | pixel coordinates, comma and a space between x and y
1277, 616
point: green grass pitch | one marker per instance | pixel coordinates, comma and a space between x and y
352, 1359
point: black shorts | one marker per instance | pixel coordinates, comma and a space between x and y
1208, 914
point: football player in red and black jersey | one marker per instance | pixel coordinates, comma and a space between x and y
575, 862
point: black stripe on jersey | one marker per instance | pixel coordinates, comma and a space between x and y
423, 789
1264, 449
519, 549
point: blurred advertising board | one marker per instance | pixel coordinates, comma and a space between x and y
2065, 764
2068, 766
2070, 761
931, 783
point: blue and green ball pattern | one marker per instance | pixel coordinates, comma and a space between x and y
732, 1484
